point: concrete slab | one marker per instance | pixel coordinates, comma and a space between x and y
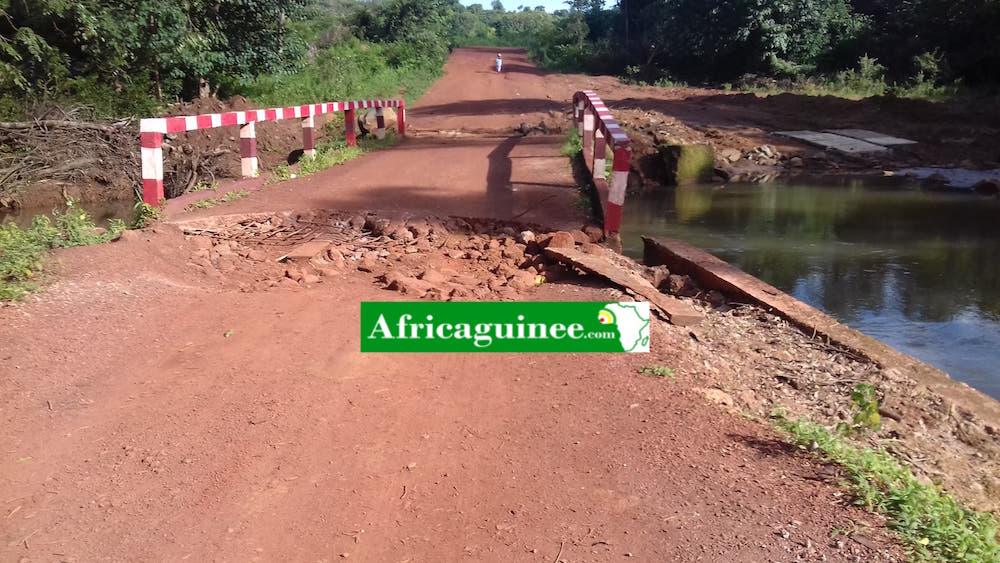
678, 312
838, 143
872, 137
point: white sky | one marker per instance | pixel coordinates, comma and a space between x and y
511, 5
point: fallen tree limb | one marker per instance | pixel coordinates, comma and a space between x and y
54, 124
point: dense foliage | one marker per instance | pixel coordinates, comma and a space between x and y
862, 44
120, 54
123, 58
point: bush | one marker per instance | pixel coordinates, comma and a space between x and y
352, 70
867, 80
22, 251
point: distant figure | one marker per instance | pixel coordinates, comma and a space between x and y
499, 61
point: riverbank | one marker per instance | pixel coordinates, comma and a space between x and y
908, 265
945, 430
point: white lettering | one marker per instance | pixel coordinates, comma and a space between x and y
381, 326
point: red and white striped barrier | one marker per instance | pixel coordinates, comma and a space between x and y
151, 133
597, 129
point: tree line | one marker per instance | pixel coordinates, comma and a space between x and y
928, 40
126, 57
132, 56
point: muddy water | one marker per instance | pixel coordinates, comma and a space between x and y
917, 269
101, 212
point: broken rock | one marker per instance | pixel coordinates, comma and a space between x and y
561, 239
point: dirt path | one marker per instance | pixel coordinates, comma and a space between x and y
153, 409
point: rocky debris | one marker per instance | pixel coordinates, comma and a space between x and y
579, 237
594, 233
730, 155
658, 276
764, 155
447, 259
675, 311
718, 396
559, 239
682, 286
526, 130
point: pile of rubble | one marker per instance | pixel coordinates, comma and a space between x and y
444, 259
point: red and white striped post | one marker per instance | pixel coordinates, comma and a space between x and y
309, 136
598, 129
600, 159
151, 150
616, 191
248, 150
401, 117
380, 122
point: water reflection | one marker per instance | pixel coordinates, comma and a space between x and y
917, 269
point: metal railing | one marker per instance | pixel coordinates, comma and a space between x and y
598, 129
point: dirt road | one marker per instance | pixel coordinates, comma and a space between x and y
153, 409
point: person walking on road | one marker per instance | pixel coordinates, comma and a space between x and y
499, 62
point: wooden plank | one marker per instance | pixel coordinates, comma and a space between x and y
306, 251
838, 143
872, 137
676, 311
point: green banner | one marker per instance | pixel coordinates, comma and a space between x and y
508, 326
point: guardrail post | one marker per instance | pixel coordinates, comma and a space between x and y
151, 150
401, 118
380, 123
616, 192
248, 150
588, 137
309, 136
349, 118
578, 116
600, 159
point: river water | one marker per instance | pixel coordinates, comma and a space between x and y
916, 269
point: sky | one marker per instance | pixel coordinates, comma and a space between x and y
510, 5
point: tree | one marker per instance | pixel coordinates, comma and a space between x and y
154, 42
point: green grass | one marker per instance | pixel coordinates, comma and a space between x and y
22, 251
331, 153
143, 214
932, 525
657, 371
572, 145
203, 186
234, 195
349, 71
203, 204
